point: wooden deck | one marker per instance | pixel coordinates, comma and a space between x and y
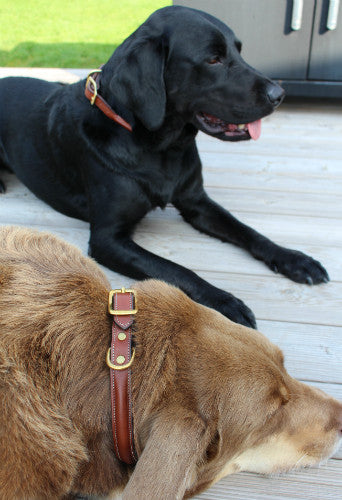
288, 185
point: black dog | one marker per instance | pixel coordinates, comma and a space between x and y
180, 72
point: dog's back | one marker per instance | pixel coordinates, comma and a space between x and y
21, 99
31, 266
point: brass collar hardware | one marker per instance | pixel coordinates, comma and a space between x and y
115, 312
94, 84
119, 367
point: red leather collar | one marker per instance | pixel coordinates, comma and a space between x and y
120, 356
91, 93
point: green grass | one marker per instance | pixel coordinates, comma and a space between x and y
67, 34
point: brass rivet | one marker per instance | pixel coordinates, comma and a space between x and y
120, 360
122, 336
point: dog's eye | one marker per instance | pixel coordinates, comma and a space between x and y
215, 60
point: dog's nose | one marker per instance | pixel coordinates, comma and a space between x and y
275, 93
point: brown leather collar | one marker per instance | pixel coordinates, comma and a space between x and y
120, 356
91, 92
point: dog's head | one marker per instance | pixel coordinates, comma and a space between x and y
186, 61
212, 397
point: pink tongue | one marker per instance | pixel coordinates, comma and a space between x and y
254, 129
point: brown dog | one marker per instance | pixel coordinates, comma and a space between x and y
210, 397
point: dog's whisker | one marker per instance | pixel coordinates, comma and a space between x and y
298, 461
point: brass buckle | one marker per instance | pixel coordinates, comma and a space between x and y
119, 367
122, 312
92, 81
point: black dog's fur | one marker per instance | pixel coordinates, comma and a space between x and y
179, 63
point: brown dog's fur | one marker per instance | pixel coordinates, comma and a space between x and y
210, 397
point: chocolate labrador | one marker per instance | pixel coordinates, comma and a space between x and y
180, 72
209, 397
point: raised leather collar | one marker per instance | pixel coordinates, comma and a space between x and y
120, 356
91, 92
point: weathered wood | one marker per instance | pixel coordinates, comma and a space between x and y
310, 484
255, 200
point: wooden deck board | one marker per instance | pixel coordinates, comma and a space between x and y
287, 185
309, 484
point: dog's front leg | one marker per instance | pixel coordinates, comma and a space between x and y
123, 255
115, 208
207, 216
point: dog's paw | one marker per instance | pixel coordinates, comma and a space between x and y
2, 187
233, 308
298, 267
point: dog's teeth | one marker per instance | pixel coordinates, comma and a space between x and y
241, 126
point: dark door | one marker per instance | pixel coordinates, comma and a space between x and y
264, 27
326, 53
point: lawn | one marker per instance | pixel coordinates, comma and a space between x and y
73, 34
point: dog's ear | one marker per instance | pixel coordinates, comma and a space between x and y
138, 80
166, 468
279, 396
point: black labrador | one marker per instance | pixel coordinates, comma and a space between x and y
180, 72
